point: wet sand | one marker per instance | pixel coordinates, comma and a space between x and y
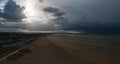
97, 50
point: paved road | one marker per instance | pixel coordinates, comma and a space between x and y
45, 52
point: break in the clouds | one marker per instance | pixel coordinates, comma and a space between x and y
12, 12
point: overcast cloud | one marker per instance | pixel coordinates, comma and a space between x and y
91, 15
81, 15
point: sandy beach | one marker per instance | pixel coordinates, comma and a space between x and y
68, 50
44, 52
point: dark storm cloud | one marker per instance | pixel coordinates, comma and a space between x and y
13, 12
56, 12
104, 11
59, 14
88, 26
40, 0
102, 16
51, 10
60, 19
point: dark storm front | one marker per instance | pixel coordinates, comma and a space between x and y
10, 42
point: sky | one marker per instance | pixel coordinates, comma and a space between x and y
92, 16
